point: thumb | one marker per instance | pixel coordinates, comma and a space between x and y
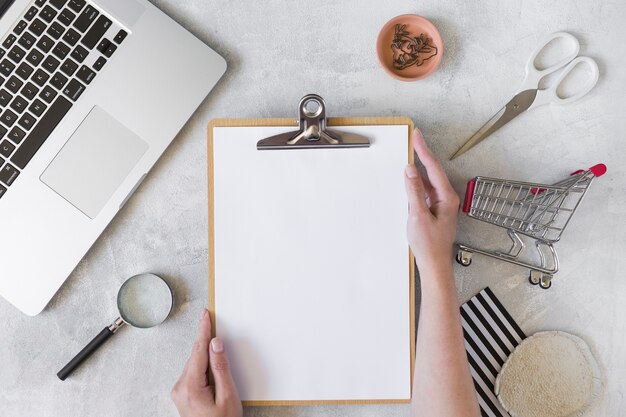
225, 389
415, 190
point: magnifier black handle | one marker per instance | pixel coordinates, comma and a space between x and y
87, 351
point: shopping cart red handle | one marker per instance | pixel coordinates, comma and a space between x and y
469, 194
597, 170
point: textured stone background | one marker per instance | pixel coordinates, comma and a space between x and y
278, 51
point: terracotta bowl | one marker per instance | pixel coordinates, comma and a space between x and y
409, 47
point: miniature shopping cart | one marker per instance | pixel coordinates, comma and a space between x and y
539, 211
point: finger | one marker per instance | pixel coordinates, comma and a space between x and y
225, 389
415, 191
436, 174
429, 192
428, 187
199, 361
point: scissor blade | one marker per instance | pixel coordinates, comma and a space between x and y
518, 104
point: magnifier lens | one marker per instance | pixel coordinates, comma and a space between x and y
144, 301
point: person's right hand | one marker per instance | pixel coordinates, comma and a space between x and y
433, 209
192, 394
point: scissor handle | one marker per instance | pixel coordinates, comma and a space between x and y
534, 74
551, 95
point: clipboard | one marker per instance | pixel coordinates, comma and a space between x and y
316, 132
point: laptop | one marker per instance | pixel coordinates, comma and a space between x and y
91, 94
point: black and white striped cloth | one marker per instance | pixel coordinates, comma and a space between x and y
491, 334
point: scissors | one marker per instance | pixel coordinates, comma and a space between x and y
530, 96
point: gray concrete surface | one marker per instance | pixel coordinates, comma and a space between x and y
278, 51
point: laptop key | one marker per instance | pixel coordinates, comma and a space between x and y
16, 54
50, 63
19, 105
9, 41
40, 77
45, 44
16, 135
27, 41
41, 131
77, 5
85, 74
3, 131
80, 53
8, 118
96, 32
103, 45
6, 148
121, 35
24, 70
5, 98
40, 2
31, 13
30, 91
71, 37
69, 67
14, 84
48, 94
34, 57
58, 3
27, 121
19, 28
2, 189
58, 80
99, 63
8, 174
2, 52
37, 27
86, 18
61, 50
37, 107
66, 17
74, 90
107, 48
48, 14
6, 67
56, 30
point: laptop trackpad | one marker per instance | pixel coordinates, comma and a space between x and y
94, 162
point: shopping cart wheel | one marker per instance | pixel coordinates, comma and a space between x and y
541, 279
464, 258
534, 277
546, 281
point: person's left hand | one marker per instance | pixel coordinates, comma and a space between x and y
192, 394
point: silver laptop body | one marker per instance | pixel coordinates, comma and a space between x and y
91, 97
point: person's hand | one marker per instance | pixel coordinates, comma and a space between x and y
433, 209
192, 394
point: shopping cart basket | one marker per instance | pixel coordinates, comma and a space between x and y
539, 211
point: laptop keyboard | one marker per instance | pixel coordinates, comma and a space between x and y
47, 61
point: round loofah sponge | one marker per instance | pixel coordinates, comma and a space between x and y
550, 374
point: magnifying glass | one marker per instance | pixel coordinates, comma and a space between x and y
143, 301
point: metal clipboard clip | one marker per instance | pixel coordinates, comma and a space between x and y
313, 133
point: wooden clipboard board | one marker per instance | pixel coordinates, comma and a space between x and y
285, 122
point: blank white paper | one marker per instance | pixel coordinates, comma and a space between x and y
312, 266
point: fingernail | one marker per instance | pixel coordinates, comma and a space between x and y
411, 171
217, 345
205, 313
